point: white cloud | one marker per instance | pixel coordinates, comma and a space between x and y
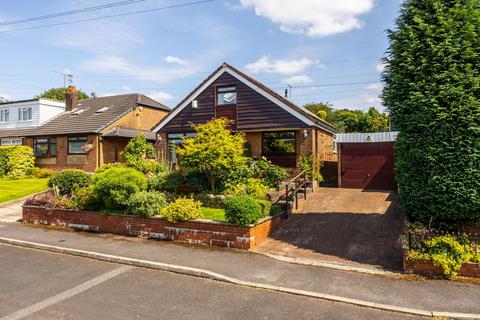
374, 86
300, 79
372, 99
5, 97
176, 60
381, 67
285, 67
315, 18
119, 65
160, 96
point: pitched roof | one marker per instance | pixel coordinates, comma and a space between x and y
123, 132
317, 121
91, 116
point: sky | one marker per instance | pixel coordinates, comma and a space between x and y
324, 50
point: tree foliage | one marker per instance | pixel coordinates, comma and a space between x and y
350, 120
432, 92
59, 94
215, 151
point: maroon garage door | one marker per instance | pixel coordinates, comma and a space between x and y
368, 165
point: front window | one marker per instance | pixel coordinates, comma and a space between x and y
11, 142
226, 95
4, 115
77, 145
45, 147
25, 114
174, 141
278, 143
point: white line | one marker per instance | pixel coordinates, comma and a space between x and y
25, 312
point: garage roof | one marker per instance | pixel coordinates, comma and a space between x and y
366, 137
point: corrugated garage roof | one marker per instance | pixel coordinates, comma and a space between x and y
366, 137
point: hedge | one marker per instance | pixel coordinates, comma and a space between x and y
16, 161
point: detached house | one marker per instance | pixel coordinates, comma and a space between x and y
91, 132
274, 126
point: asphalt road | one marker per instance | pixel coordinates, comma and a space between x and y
42, 285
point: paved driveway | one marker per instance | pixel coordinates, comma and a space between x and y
11, 212
344, 226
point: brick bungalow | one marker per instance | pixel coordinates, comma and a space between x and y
91, 132
275, 127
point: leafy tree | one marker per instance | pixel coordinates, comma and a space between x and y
137, 153
322, 110
59, 94
432, 92
215, 151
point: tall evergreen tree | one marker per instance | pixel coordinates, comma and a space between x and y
432, 92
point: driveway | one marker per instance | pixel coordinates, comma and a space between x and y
11, 212
343, 226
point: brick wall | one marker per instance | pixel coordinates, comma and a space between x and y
196, 231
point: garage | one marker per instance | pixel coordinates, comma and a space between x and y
367, 160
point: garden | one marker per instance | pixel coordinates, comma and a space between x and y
18, 175
216, 181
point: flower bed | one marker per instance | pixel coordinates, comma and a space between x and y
204, 232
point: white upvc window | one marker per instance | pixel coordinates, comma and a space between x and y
4, 115
11, 141
25, 114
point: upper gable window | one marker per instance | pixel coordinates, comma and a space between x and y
226, 95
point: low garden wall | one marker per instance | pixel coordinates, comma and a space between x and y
205, 232
468, 269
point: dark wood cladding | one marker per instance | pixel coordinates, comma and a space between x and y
254, 111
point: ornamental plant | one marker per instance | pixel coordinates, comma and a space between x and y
115, 186
138, 153
146, 203
252, 187
269, 173
16, 162
242, 210
216, 152
182, 209
67, 181
432, 92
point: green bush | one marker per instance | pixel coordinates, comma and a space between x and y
253, 187
138, 153
446, 252
16, 162
182, 209
269, 173
85, 199
242, 210
107, 166
173, 182
146, 203
196, 182
115, 186
432, 94
266, 206
66, 181
42, 173
276, 210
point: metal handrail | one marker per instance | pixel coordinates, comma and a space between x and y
291, 192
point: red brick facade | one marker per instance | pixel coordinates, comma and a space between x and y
196, 231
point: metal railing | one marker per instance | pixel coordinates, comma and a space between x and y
296, 185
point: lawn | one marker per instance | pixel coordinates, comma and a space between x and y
14, 189
214, 214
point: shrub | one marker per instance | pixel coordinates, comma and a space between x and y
196, 182
137, 153
66, 181
16, 161
182, 209
253, 187
445, 252
85, 199
42, 173
107, 166
146, 203
61, 202
115, 186
312, 166
266, 205
173, 182
269, 173
242, 210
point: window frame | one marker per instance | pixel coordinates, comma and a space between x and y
233, 89
50, 141
21, 112
4, 115
77, 139
284, 154
179, 137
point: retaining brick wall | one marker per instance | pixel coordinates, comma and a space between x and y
203, 232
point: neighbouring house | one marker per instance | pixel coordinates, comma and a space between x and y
91, 132
366, 160
25, 114
274, 126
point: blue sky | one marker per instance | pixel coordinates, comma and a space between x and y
166, 53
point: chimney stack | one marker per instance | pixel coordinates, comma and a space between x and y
71, 99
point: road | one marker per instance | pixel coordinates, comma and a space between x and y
43, 285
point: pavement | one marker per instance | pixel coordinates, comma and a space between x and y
430, 295
350, 227
42, 285
11, 211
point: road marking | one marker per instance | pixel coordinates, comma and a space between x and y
25, 312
